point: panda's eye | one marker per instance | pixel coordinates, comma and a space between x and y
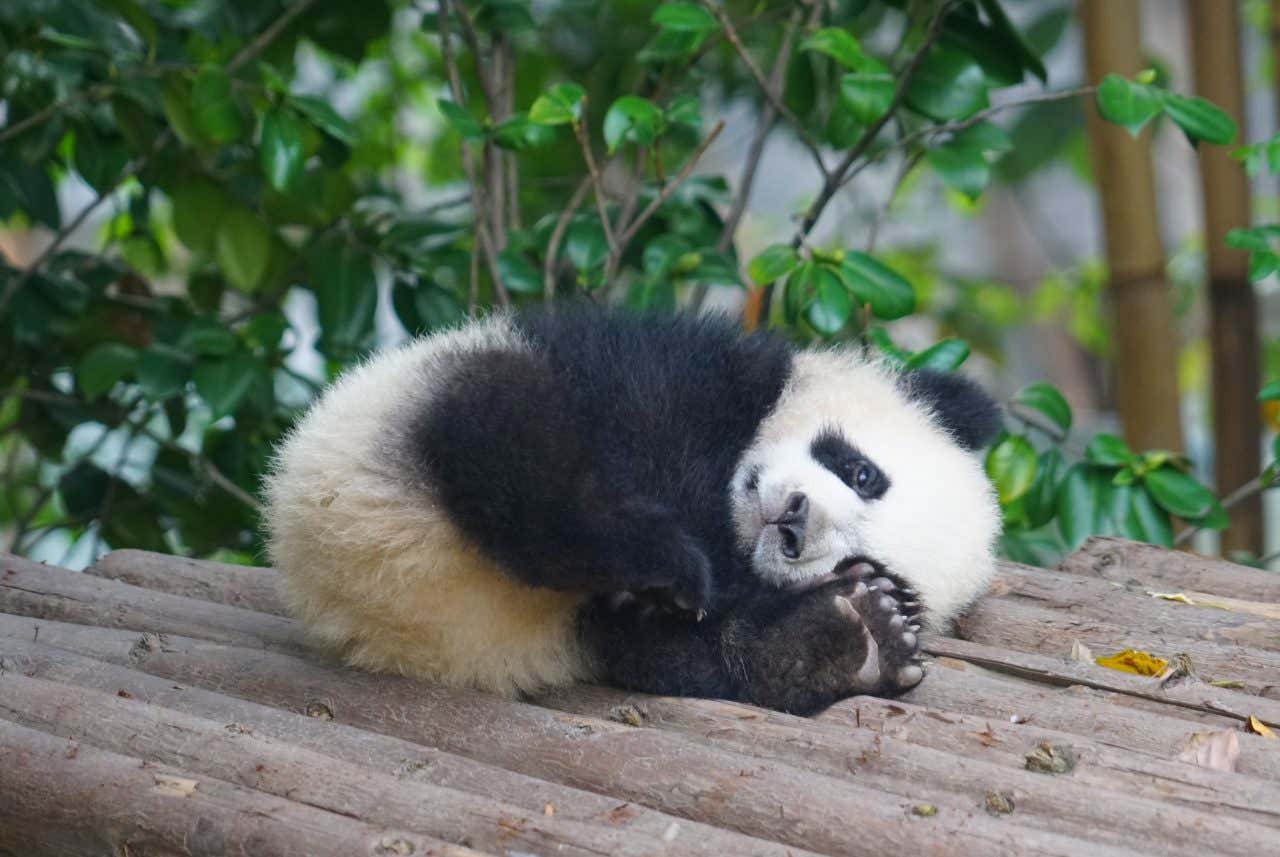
864, 478
862, 475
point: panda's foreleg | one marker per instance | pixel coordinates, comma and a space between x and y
516, 468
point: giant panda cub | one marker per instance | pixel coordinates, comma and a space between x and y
666, 504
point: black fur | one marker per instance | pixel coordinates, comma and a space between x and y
832, 451
962, 407
604, 463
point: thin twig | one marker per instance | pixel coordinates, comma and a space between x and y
666, 192
91, 94
1248, 490
269, 35
772, 90
478, 209
553, 245
210, 469
593, 171
882, 214
473, 41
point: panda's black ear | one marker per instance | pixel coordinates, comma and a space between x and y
962, 407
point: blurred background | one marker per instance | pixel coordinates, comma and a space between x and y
209, 208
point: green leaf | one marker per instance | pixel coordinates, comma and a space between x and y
560, 105
324, 117
837, 44
963, 169
867, 93
1179, 492
346, 291
462, 121
280, 151
207, 337
1200, 119
224, 383
518, 133
1083, 504
1215, 519
662, 253
1254, 238
1108, 450
797, 291
1128, 104
684, 110
518, 275
1039, 503
830, 307
160, 374
1270, 393
947, 85
872, 282
213, 106
243, 247
1011, 465
684, 18
631, 119
1138, 517
175, 98
880, 339
99, 159
102, 366
1044, 399
944, 356
198, 207
1262, 264
586, 246
1010, 39
772, 263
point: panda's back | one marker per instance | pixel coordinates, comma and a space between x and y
381, 566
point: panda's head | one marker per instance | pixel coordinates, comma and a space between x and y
859, 460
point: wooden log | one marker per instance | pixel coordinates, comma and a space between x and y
1107, 809
1025, 628
244, 586
208, 748
48, 592
59, 797
1192, 696
960, 687
1247, 623
1241, 796
664, 771
406, 761
1146, 565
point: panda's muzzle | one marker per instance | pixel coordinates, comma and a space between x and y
791, 525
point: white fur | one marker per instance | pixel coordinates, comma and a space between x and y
370, 563
936, 525
376, 571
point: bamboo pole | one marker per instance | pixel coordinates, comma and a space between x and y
1233, 311
1146, 346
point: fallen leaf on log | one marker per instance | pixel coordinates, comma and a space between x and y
1133, 661
1257, 727
924, 810
1080, 653
1217, 751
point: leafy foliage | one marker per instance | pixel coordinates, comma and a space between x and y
256, 172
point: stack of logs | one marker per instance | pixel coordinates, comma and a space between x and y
158, 705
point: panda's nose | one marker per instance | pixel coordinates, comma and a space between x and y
791, 525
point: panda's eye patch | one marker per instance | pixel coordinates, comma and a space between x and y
843, 459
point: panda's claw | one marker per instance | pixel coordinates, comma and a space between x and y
910, 676
884, 584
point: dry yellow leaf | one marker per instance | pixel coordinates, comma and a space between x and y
1132, 661
1172, 596
1257, 727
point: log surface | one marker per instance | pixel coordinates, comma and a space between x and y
169, 706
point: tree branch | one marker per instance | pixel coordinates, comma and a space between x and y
629, 232
478, 210
838, 176
597, 183
553, 245
772, 87
1248, 490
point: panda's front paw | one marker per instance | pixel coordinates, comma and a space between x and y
848, 637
